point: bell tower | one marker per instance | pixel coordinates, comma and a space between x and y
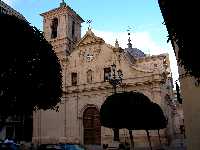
62, 28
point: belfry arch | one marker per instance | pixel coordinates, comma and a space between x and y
54, 28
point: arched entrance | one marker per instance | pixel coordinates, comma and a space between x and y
92, 126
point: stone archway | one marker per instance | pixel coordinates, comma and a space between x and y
92, 126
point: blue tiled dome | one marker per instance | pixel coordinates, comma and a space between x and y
136, 53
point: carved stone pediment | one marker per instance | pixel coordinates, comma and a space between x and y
89, 38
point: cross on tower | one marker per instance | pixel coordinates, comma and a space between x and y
89, 22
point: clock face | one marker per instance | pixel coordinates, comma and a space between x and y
89, 56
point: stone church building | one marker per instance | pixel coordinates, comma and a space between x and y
86, 62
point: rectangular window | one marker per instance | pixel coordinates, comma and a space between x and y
89, 76
107, 72
74, 78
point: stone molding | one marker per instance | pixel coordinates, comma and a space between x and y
138, 81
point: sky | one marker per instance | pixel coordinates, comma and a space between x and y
110, 20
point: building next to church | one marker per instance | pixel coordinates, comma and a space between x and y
6, 9
185, 26
86, 63
17, 126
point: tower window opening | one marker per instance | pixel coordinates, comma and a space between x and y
54, 28
73, 29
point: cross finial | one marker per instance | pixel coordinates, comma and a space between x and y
89, 22
129, 39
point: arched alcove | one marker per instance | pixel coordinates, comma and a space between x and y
89, 76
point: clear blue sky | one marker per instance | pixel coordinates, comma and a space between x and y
107, 15
115, 16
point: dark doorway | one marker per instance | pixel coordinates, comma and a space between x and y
92, 126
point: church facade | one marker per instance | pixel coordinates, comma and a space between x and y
86, 63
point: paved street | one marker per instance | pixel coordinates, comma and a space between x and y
177, 144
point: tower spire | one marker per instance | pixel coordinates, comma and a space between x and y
129, 39
62, 3
116, 43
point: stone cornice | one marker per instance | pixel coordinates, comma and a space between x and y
153, 57
134, 66
58, 41
90, 43
61, 10
100, 86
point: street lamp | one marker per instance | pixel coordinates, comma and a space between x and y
115, 78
